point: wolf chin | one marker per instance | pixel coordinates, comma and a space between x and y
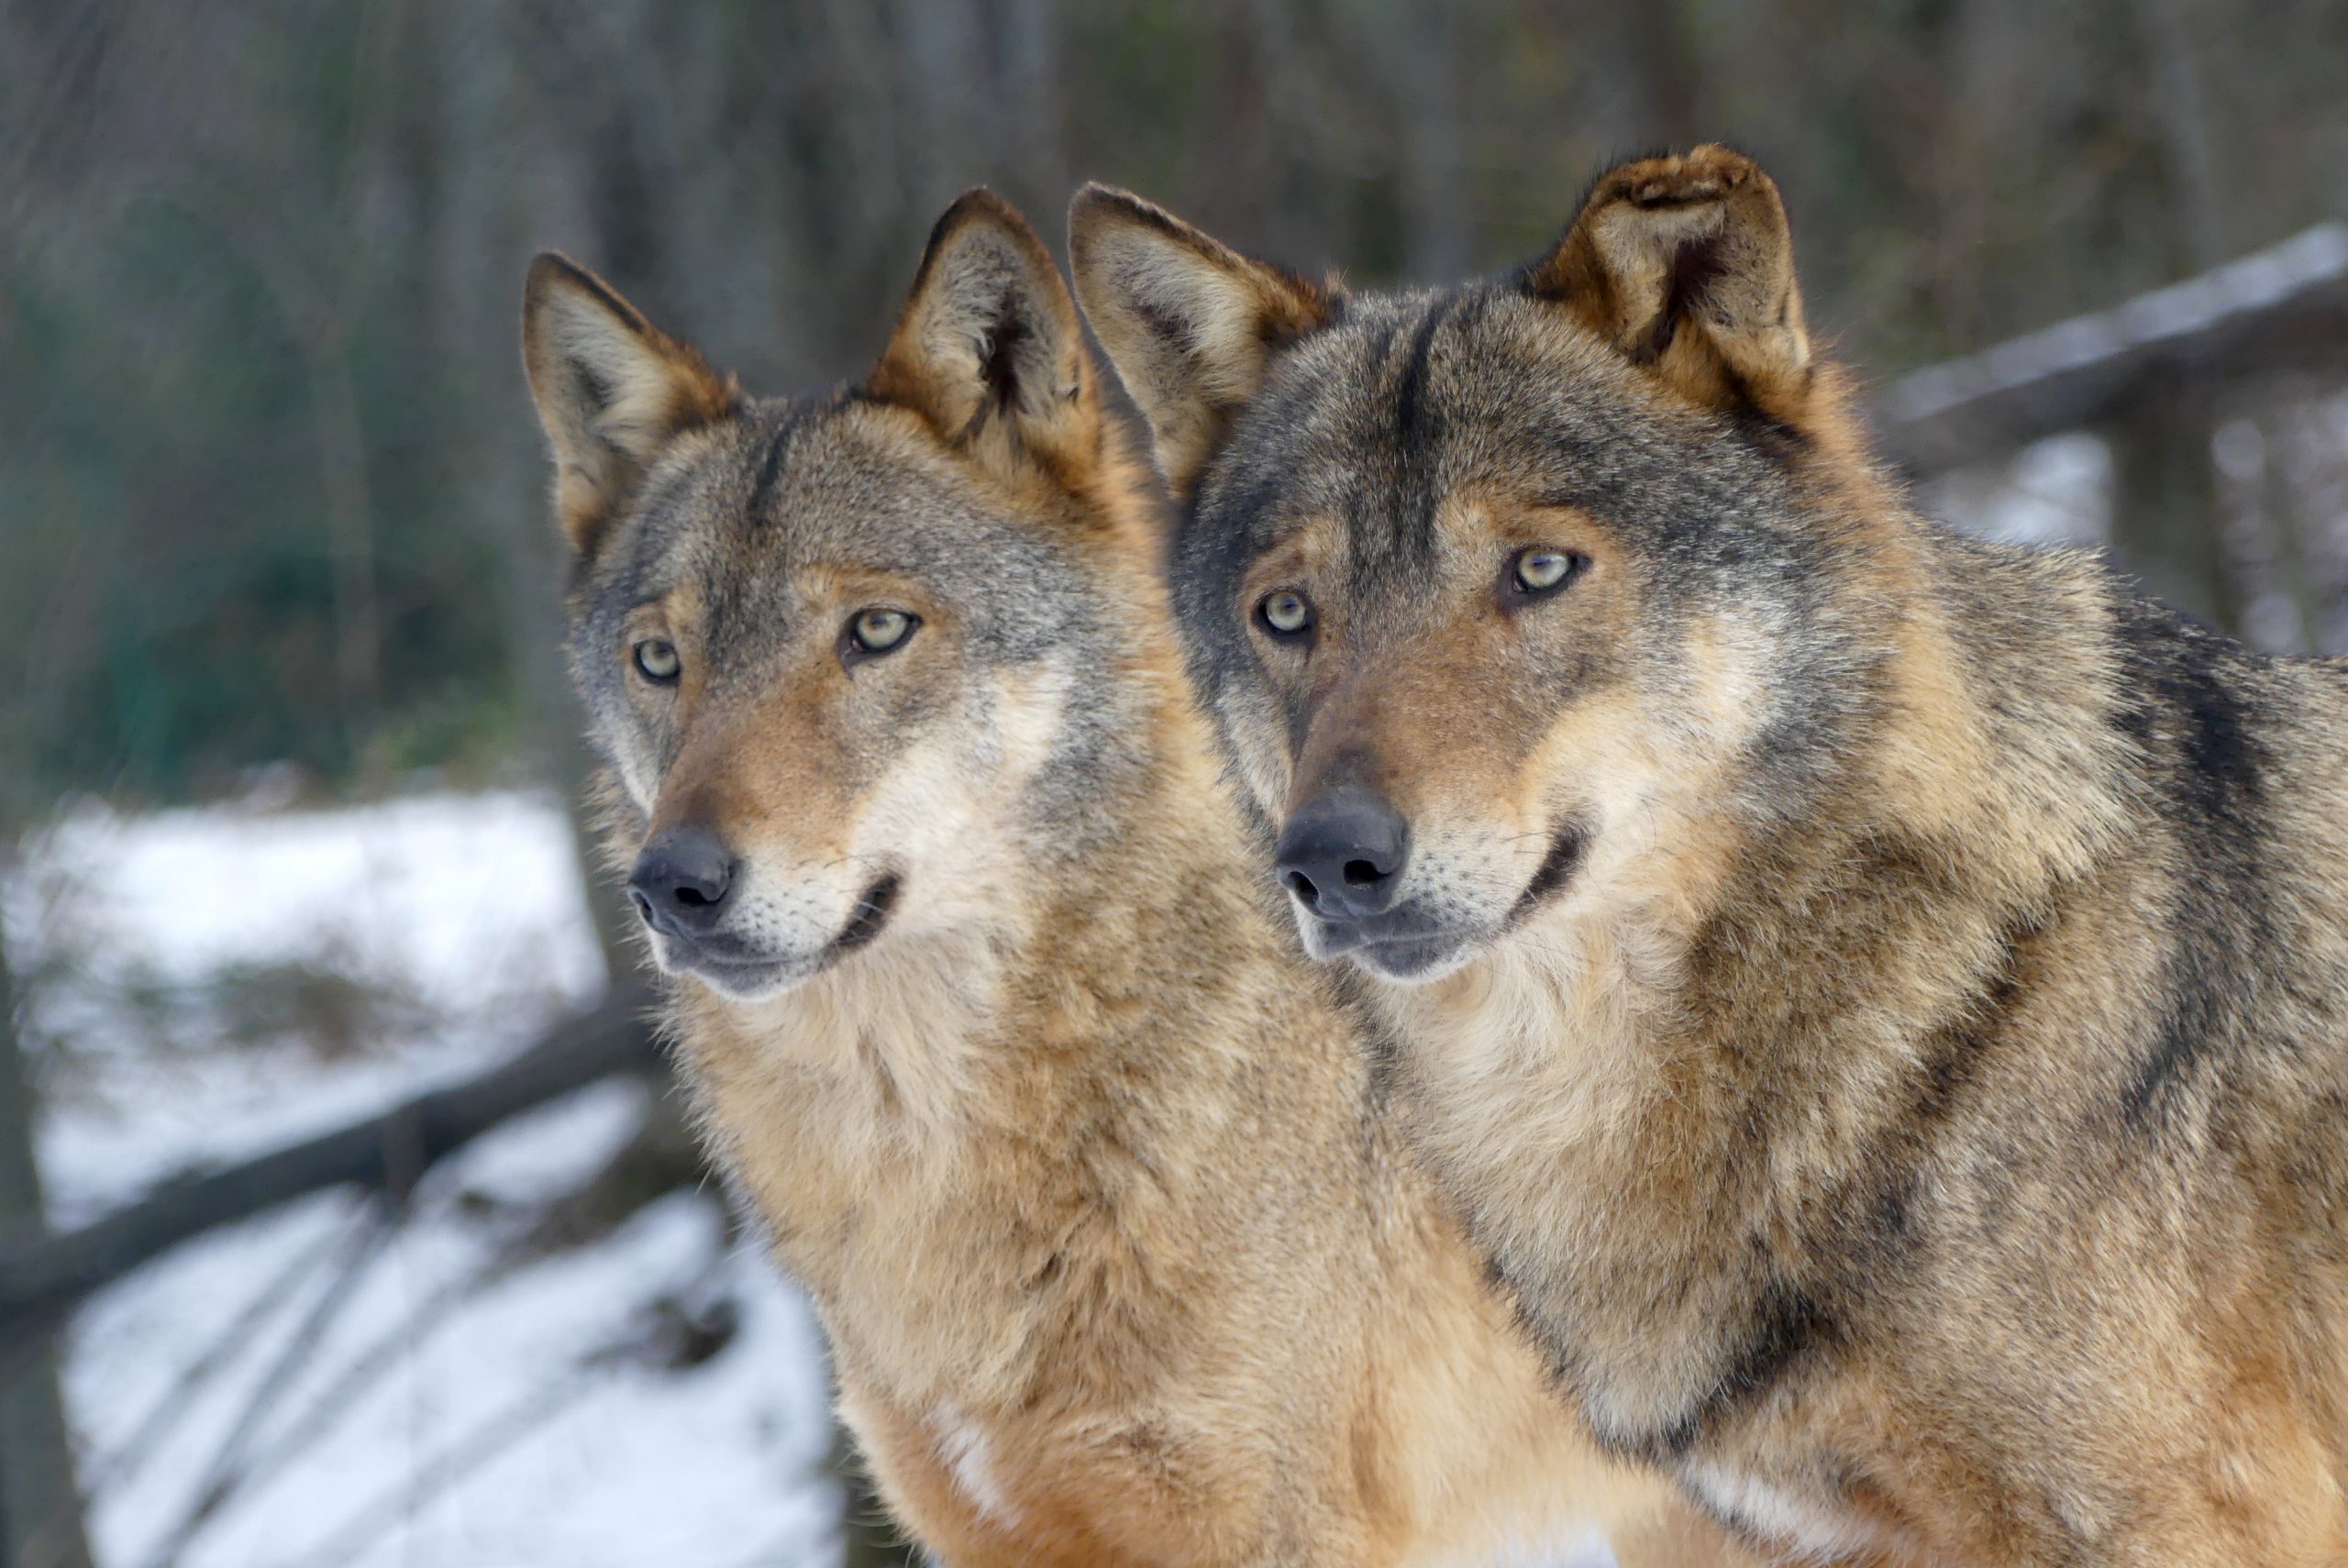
1879, 998
978, 988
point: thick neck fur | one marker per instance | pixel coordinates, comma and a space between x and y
954, 1136
1108, 1231
1723, 1031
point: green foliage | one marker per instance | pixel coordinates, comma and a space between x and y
269, 488
167, 564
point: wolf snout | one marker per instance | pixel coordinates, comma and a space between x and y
681, 880
1342, 853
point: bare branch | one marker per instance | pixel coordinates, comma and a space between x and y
41, 1279
362, 1243
2280, 309
463, 1458
235, 1337
660, 1158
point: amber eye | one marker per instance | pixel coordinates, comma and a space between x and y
1538, 572
1285, 613
879, 631
657, 661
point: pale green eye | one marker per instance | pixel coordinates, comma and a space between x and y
657, 661
1539, 570
880, 631
1285, 613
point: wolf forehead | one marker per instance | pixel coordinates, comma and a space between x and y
747, 514
1406, 399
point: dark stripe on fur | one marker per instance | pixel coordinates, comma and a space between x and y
2208, 767
770, 469
1410, 390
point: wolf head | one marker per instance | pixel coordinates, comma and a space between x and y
1502, 595
849, 659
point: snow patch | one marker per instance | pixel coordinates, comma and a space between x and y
455, 1406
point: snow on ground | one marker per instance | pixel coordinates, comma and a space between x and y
470, 909
441, 1418
493, 1432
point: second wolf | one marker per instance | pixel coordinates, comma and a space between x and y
1879, 997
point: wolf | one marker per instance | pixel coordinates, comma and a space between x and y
1878, 998
987, 1009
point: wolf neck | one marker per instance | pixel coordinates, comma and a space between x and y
939, 1129
1714, 1064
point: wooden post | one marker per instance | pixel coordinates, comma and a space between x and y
41, 1506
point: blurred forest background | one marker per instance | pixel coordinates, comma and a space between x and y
273, 536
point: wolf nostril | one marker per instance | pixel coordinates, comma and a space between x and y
681, 880
1342, 852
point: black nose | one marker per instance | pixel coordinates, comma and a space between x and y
681, 880
1342, 851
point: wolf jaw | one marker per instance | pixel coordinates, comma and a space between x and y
762, 978
1918, 1117
1083, 1166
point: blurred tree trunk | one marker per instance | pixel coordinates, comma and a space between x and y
479, 243
2166, 527
2182, 110
1661, 61
1422, 66
40, 1509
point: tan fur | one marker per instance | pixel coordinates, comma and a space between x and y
1082, 1165
1011, 1184
1685, 265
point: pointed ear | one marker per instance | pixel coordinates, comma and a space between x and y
987, 348
612, 391
1191, 324
1687, 266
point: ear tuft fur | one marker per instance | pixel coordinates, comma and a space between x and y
612, 391
987, 348
1191, 324
1686, 265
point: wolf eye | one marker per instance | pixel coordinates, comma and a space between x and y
880, 631
1285, 613
657, 661
1539, 571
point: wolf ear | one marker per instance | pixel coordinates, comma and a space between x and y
1191, 324
1687, 266
612, 391
987, 348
